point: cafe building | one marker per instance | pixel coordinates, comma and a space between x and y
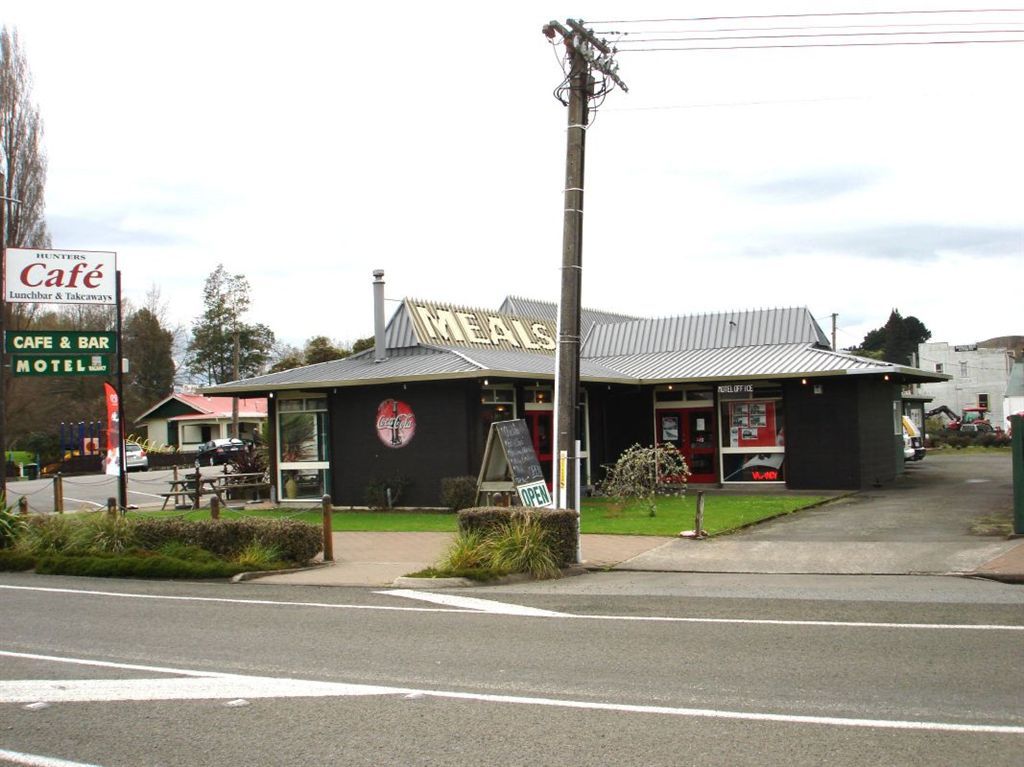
748, 397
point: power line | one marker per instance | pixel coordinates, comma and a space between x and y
818, 35
810, 26
831, 14
815, 45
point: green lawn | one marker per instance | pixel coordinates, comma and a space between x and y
722, 513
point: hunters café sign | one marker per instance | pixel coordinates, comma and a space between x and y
60, 276
474, 328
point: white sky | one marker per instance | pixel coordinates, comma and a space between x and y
305, 144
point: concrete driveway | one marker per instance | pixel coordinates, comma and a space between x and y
920, 524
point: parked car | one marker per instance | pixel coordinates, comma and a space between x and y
219, 451
913, 445
135, 458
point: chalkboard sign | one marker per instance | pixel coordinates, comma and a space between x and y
515, 439
510, 465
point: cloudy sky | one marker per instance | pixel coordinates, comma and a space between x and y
306, 144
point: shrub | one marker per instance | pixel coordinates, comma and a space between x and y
297, 541
100, 532
458, 493
523, 545
258, 555
641, 474
44, 534
560, 524
13, 560
142, 565
377, 491
467, 552
12, 524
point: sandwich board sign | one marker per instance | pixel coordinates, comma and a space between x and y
510, 465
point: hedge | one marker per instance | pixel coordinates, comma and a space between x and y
297, 541
560, 524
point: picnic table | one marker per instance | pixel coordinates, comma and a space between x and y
218, 484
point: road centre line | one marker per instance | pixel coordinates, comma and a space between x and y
35, 760
227, 686
500, 608
480, 605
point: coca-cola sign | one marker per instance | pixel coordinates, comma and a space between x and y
396, 423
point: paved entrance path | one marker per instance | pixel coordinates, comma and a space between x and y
921, 523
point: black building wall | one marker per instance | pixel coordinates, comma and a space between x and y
823, 447
881, 442
440, 448
842, 438
620, 417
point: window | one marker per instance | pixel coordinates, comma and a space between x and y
753, 433
302, 439
983, 401
963, 370
497, 403
938, 367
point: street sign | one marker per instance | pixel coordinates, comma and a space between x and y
61, 365
51, 342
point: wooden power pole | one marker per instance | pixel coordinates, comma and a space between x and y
584, 54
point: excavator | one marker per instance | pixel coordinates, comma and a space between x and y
973, 419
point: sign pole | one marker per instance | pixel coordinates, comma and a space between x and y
122, 476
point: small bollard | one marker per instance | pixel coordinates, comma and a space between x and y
698, 525
199, 489
112, 507
214, 507
328, 534
23, 505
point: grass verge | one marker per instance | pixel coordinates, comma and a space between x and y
722, 514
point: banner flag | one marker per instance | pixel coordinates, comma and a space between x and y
112, 461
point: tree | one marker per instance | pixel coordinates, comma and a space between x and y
22, 157
641, 474
210, 353
148, 347
896, 341
323, 349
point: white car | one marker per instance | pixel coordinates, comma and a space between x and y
135, 458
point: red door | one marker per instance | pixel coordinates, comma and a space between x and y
539, 422
692, 431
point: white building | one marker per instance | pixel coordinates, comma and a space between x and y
979, 377
1013, 402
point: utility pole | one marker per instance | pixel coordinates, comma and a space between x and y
834, 318
584, 54
3, 339
234, 400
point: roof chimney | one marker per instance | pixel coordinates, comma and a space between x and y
380, 352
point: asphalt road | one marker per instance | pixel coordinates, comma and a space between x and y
91, 491
610, 668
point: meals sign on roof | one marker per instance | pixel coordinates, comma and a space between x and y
474, 328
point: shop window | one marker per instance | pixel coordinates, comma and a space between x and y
680, 393
754, 467
539, 395
497, 403
753, 424
302, 432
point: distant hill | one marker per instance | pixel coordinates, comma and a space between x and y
1014, 344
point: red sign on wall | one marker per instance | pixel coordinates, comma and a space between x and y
396, 423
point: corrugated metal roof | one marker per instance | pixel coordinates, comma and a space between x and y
705, 331
548, 310
777, 360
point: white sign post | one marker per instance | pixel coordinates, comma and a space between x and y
33, 276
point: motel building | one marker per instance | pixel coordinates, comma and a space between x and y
748, 397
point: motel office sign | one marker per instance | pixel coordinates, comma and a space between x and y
59, 353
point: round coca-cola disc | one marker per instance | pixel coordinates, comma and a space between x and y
396, 423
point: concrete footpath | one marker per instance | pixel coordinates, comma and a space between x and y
932, 521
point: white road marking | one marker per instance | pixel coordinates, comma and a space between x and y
225, 600
34, 760
491, 607
82, 500
200, 685
503, 608
140, 492
472, 603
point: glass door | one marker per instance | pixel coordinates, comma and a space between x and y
540, 423
692, 431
